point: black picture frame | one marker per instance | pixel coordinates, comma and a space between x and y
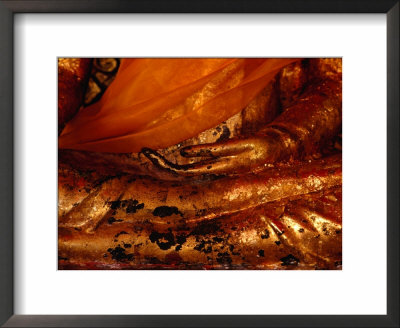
7, 197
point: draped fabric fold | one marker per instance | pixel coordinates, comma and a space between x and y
157, 103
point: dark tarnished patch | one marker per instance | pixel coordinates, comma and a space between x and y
163, 211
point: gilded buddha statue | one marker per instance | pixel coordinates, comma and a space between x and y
200, 164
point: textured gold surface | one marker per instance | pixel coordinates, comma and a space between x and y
72, 78
260, 191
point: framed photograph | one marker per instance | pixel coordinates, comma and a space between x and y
208, 164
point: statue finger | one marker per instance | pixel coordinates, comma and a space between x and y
225, 148
221, 165
217, 166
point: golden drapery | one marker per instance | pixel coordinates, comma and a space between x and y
158, 102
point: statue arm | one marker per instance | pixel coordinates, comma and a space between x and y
301, 130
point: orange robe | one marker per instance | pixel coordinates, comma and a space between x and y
158, 102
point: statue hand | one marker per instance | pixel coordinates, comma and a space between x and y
233, 156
